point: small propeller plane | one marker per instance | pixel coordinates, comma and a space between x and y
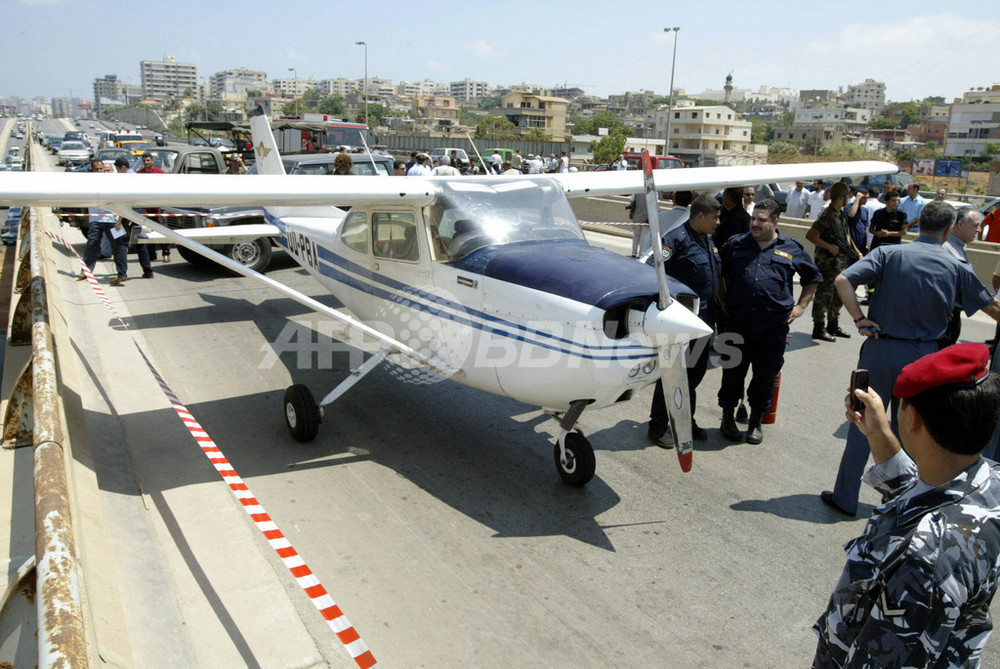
486, 281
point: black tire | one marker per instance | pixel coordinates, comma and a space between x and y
581, 462
301, 413
255, 254
192, 257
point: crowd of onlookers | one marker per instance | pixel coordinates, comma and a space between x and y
453, 164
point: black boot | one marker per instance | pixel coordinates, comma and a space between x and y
754, 434
728, 427
819, 332
834, 329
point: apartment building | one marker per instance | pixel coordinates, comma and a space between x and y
707, 135
526, 111
164, 80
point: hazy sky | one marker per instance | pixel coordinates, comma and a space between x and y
55, 47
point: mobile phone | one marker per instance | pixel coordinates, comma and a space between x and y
859, 379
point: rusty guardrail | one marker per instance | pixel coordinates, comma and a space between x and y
34, 418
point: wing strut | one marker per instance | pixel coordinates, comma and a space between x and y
392, 344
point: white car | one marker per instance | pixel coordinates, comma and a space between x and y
73, 152
16, 164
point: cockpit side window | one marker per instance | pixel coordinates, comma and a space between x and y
394, 235
354, 232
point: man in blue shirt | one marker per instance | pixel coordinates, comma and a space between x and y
916, 287
911, 206
690, 256
758, 268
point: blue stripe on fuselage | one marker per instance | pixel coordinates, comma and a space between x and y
362, 278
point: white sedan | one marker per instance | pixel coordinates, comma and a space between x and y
73, 153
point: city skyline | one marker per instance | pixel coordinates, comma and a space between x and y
925, 53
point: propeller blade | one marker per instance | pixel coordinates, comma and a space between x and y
677, 397
672, 326
653, 210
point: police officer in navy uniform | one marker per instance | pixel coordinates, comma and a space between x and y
916, 287
690, 256
757, 272
917, 586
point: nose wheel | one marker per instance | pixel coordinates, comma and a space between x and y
302, 416
574, 458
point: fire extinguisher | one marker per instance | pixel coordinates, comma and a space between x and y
772, 413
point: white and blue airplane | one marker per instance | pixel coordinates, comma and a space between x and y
487, 281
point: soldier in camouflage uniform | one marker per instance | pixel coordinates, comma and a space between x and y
834, 252
918, 583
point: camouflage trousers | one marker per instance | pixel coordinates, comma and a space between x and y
826, 303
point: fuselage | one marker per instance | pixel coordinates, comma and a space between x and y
522, 312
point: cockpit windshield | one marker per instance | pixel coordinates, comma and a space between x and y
476, 213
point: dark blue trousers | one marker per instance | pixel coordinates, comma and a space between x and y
884, 359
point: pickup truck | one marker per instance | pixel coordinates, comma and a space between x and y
255, 254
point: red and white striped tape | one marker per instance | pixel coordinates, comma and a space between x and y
303, 575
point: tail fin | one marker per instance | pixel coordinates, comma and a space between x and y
265, 149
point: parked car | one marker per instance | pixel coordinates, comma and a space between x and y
463, 157
73, 153
108, 156
322, 163
8, 231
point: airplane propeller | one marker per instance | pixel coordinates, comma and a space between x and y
681, 324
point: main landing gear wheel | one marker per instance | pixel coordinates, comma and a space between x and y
580, 463
301, 413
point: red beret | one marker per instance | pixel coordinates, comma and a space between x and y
961, 363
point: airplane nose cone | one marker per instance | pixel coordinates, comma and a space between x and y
673, 325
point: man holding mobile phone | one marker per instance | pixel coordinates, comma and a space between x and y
916, 287
917, 586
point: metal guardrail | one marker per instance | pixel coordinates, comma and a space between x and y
34, 418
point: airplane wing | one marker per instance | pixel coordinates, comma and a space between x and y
66, 189
585, 184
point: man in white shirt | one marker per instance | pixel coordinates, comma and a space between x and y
798, 200
420, 168
564, 163
817, 201
444, 168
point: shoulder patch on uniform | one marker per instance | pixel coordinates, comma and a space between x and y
783, 254
667, 253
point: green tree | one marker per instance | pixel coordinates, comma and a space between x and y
535, 135
882, 124
609, 120
761, 132
991, 149
782, 148
608, 148
496, 127
332, 106
909, 115
581, 125
194, 112
376, 113
787, 119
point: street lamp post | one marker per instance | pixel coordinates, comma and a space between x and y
204, 97
295, 91
670, 95
365, 89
